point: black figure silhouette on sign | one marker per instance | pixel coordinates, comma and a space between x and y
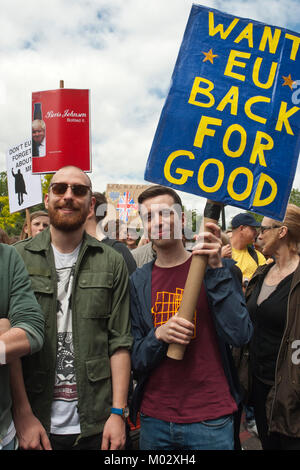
20, 187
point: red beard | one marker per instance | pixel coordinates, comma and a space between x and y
67, 222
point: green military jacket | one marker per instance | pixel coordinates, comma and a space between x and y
101, 325
18, 304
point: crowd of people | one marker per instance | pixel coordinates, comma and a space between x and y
86, 323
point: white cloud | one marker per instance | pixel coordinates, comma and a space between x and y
123, 51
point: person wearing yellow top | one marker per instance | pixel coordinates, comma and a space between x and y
244, 231
246, 262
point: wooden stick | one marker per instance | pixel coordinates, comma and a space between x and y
28, 222
194, 282
61, 84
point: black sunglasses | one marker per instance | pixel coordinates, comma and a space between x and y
79, 190
263, 228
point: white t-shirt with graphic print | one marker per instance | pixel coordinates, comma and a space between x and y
64, 413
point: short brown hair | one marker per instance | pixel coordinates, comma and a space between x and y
159, 190
4, 238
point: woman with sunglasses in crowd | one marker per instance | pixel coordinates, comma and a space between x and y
273, 300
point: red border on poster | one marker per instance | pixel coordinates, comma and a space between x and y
65, 116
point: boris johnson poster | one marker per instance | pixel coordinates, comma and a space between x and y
60, 130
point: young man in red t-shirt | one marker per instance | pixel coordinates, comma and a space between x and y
185, 404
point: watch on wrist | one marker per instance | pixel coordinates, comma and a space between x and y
124, 412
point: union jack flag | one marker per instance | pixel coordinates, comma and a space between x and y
126, 206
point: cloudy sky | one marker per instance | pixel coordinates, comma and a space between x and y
124, 51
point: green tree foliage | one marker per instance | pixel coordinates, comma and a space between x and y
192, 219
257, 217
295, 197
3, 183
11, 223
45, 185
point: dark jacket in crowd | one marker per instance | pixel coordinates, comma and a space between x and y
230, 315
20, 307
283, 402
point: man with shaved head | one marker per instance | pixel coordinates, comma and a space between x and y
76, 388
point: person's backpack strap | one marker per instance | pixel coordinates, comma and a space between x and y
253, 254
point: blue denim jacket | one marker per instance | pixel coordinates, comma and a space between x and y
230, 315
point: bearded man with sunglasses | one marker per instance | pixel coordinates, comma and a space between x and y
75, 394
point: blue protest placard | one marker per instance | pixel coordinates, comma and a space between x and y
229, 129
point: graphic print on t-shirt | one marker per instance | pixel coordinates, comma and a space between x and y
166, 305
65, 383
65, 380
194, 389
64, 410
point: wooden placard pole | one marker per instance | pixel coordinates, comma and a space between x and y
61, 84
194, 282
28, 222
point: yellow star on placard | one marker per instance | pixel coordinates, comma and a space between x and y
288, 81
209, 56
